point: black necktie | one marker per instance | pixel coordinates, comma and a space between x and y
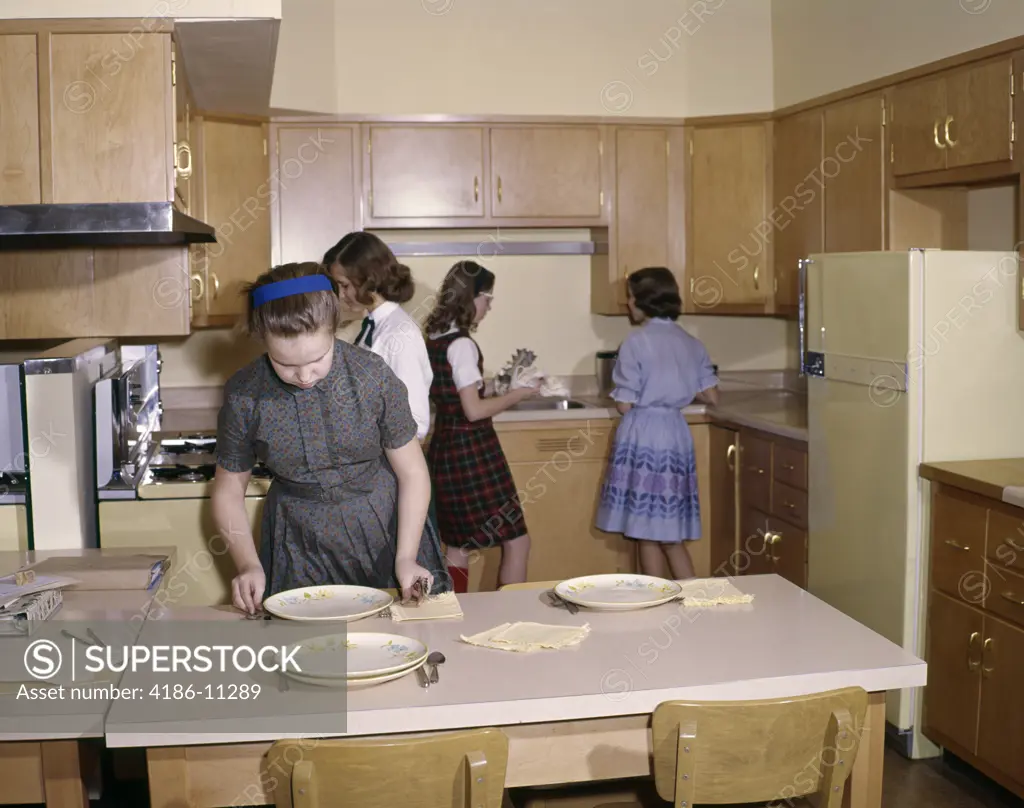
367, 331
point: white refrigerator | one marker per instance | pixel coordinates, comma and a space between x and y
910, 357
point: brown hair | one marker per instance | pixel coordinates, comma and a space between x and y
303, 313
455, 306
656, 292
371, 266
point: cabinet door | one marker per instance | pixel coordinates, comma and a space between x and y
184, 152
19, 120
313, 185
799, 207
918, 115
551, 172
1001, 722
979, 105
755, 471
424, 172
952, 695
787, 551
853, 171
727, 215
722, 505
235, 167
112, 118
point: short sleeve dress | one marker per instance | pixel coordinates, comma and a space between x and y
331, 514
650, 485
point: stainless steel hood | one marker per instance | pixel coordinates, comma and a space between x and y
123, 224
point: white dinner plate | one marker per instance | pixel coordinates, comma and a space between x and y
355, 684
357, 655
335, 603
618, 592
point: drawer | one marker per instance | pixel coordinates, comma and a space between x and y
790, 503
1005, 594
958, 546
755, 472
1004, 546
558, 445
789, 466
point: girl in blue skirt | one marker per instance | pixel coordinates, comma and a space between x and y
650, 487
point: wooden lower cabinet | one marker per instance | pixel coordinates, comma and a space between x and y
974, 702
772, 506
13, 528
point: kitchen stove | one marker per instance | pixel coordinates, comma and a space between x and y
189, 459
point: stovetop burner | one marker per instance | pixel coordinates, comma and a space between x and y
181, 474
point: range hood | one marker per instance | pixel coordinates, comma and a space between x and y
119, 224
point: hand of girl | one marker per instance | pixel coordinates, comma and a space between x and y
247, 589
527, 392
409, 573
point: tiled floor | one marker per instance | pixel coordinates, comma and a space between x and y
908, 784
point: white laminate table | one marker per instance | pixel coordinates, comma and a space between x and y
573, 715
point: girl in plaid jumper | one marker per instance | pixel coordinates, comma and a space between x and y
476, 499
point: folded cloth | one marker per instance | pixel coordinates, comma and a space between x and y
703, 592
527, 637
433, 607
550, 386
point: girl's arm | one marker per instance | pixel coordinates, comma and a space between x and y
410, 468
709, 396
623, 407
232, 523
477, 409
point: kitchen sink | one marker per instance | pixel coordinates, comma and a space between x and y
549, 404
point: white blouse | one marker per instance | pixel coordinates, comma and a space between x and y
464, 357
399, 342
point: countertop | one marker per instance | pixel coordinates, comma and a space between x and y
999, 479
775, 410
629, 663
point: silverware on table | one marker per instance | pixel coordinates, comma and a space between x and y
436, 658
556, 600
94, 638
421, 671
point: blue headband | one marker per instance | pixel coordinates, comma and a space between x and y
291, 286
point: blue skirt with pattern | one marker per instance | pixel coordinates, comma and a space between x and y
650, 485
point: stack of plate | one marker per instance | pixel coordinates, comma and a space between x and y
618, 593
357, 660
335, 603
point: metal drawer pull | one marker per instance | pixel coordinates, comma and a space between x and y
957, 545
972, 663
730, 457
789, 505
935, 135
1013, 598
788, 467
986, 669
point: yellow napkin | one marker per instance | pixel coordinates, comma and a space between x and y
526, 637
434, 607
701, 593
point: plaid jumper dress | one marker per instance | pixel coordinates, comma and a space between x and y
476, 498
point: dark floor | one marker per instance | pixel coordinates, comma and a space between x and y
937, 783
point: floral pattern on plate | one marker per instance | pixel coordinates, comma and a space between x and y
618, 592
331, 603
357, 655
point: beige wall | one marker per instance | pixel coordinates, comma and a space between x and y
820, 46
573, 57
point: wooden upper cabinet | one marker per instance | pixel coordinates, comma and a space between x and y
184, 145
799, 209
313, 190
961, 118
853, 173
19, 120
727, 218
546, 172
112, 118
424, 172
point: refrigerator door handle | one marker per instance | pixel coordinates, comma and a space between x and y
802, 302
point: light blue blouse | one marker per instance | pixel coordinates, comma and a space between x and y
661, 365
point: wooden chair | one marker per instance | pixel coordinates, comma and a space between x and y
530, 585
771, 751
464, 768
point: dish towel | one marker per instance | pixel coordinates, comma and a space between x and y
527, 637
700, 593
434, 607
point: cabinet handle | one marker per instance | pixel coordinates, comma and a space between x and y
216, 284
1010, 596
788, 467
949, 140
476, 189
776, 538
757, 285
789, 505
730, 457
935, 135
972, 663
957, 545
755, 468
198, 281
986, 669
625, 271
185, 172
499, 189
